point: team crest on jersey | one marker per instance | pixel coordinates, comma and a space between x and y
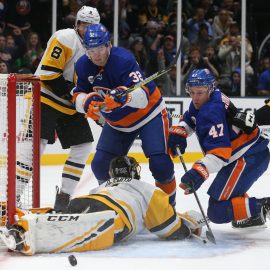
91, 79
193, 119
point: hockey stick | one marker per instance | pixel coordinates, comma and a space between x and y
150, 78
209, 234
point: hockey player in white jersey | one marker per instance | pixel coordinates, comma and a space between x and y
115, 211
58, 115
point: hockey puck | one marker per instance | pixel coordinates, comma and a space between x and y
72, 260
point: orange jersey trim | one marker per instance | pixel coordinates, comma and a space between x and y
232, 180
239, 208
166, 127
243, 139
135, 116
221, 152
168, 188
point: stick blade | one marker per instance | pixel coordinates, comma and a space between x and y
211, 237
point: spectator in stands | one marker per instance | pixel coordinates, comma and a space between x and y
34, 52
194, 23
221, 24
3, 11
211, 60
152, 41
167, 82
263, 88
138, 49
10, 54
128, 14
185, 44
105, 9
152, 11
197, 61
18, 15
264, 64
203, 39
229, 54
169, 49
10, 41
210, 9
3, 67
232, 86
194, 61
124, 37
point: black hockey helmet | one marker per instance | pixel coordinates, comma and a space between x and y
124, 166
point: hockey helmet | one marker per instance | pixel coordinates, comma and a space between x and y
88, 15
95, 36
125, 166
201, 77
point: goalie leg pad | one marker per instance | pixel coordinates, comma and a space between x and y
51, 233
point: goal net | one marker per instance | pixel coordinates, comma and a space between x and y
19, 146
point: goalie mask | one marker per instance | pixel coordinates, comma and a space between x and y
201, 77
126, 167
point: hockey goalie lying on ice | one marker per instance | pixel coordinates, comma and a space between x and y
113, 212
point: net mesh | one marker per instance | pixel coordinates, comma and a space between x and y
24, 146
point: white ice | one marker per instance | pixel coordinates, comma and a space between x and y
234, 249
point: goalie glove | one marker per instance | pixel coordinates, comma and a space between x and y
118, 97
92, 104
194, 178
194, 221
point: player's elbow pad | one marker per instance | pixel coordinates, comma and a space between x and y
79, 102
138, 99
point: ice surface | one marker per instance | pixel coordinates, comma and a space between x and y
234, 250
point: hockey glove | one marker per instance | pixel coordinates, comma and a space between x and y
117, 98
92, 104
245, 121
194, 178
177, 138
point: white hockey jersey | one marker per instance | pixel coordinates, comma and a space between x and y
140, 205
64, 48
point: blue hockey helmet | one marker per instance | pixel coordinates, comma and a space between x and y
95, 36
201, 77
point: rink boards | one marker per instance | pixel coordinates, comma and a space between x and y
54, 155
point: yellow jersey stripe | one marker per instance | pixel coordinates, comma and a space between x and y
113, 205
154, 216
77, 238
57, 106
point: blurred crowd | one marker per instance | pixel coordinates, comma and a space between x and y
211, 38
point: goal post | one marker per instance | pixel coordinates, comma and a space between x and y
20, 144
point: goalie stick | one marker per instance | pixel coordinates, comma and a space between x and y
209, 234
